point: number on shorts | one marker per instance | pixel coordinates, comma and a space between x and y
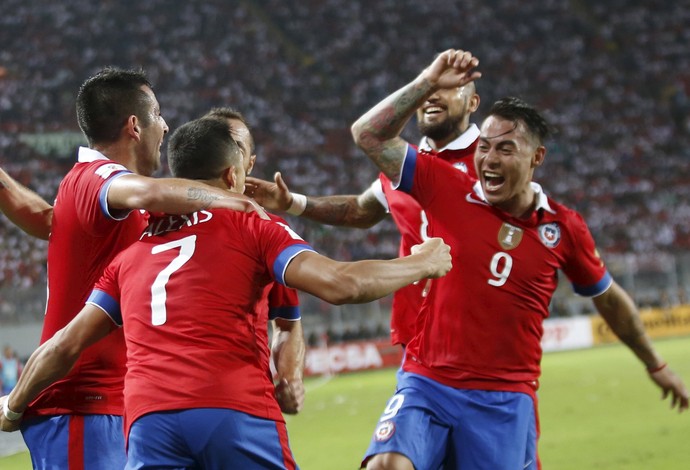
159, 295
502, 275
392, 407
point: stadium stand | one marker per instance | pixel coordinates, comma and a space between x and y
614, 82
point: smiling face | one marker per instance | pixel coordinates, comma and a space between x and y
149, 148
505, 160
446, 114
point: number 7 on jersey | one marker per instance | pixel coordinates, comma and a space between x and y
187, 245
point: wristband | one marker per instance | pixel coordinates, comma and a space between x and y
657, 368
9, 414
299, 204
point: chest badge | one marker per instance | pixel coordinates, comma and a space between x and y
509, 236
550, 234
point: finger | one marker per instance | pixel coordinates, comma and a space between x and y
427, 286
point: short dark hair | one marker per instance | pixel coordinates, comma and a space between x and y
226, 112
106, 100
202, 149
514, 109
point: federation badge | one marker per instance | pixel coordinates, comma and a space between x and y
550, 234
384, 431
509, 236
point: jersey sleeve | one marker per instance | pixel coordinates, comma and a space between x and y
278, 244
283, 302
584, 268
91, 196
424, 176
106, 293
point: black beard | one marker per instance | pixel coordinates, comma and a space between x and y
439, 131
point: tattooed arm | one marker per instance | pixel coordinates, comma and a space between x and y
378, 131
174, 196
359, 211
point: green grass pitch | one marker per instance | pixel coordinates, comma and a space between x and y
598, 411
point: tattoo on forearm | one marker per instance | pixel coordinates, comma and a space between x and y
203, 195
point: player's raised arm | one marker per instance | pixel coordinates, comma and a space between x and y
26, 209
358, 211
620, 313
53, 360
288, 351
174, 196
378, 131
364, 281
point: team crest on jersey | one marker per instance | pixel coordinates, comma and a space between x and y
461, 166
384, 431
550, 234
104, 171
509, 236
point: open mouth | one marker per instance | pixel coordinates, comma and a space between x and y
432, 110
493, 181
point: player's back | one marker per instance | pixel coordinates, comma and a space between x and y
82, 242
189, 293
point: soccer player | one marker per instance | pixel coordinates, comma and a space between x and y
282, 302
185, 294
78, 420
444, 121
467, 396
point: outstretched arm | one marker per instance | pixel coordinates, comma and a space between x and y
53, 360
26, 209
288, 356
174, 196
620, 313
377, 132
358, 211
364, 281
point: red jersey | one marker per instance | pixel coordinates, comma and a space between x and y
190, 293
481, 325
85, 236
412, 224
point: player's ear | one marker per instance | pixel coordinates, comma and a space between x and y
229, 177
252, 160
474, 102
133, 127
539, 156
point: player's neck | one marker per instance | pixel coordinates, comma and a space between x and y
117, 153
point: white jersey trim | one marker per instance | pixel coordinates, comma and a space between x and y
87, 155
466, 139
542, 200
377, 189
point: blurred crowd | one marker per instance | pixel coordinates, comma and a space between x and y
613, 78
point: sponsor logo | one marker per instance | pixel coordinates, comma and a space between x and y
105, 171
460, 166
550, 234
471, 198
384, 431
509, 236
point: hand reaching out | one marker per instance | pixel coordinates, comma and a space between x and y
273, 196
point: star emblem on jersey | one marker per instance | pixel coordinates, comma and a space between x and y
550, 234
384, 431
509, 236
